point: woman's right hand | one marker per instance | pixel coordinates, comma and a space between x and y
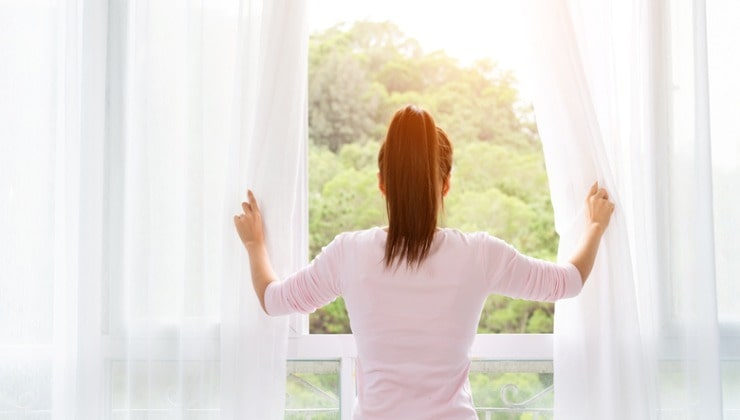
599, 207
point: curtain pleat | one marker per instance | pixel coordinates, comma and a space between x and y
271, 113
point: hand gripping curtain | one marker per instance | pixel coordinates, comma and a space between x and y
130, 132
642, 339
268, 155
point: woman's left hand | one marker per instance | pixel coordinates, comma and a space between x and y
249, 223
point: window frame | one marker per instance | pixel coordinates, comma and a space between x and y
670, 18
303, 345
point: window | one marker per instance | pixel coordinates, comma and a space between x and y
160, 321
678, 120
724, 94
363, 65
680, 127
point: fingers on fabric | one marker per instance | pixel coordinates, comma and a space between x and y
594, 189
250, 210
252, 200
597, 192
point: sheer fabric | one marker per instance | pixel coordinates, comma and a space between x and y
622, 98
130, 132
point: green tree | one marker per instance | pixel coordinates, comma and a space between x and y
342, 103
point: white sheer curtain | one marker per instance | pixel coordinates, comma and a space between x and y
622, 98
130, 132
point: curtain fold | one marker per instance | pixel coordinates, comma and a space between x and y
130, 133
269, 150
597, 353
641, 341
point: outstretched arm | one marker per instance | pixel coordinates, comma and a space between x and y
600, 210
249, 227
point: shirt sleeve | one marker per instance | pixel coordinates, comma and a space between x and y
510, 273
309, 288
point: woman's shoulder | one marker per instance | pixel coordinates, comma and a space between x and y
373, 234
475, 237
363, 233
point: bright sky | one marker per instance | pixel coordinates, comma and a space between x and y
465, 29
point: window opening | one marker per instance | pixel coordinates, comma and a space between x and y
361, 71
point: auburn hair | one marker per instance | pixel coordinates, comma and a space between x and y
414, 161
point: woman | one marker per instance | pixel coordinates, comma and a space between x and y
414, 292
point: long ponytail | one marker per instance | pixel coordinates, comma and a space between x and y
409, 163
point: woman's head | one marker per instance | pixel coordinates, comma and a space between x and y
415, 161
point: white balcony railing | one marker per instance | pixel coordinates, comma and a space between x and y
511, 377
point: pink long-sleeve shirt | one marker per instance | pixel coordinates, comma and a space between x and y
414, 328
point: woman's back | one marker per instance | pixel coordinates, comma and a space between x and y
414, 292
414, 327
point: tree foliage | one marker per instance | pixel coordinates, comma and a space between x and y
359, 75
